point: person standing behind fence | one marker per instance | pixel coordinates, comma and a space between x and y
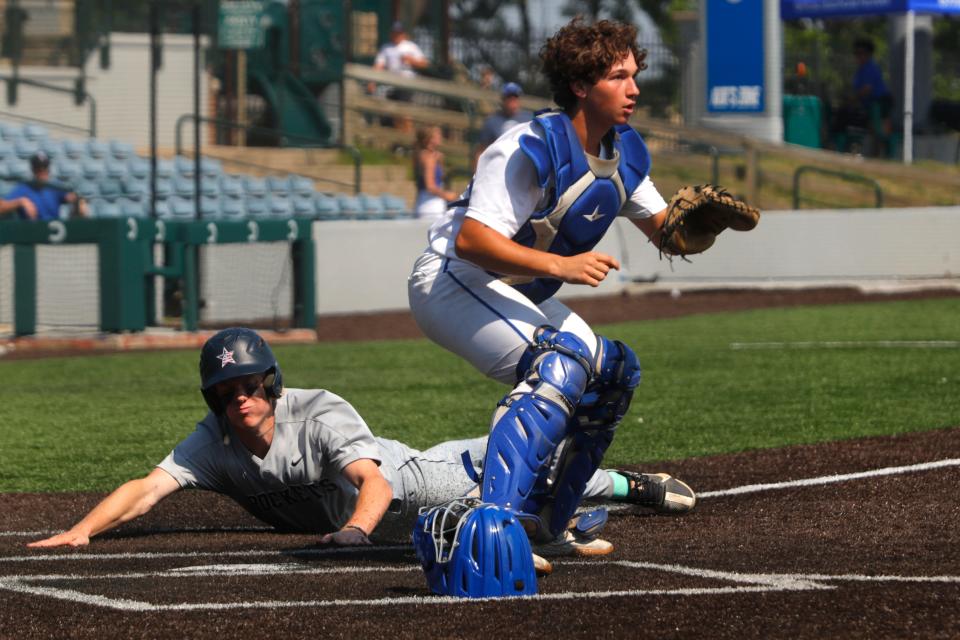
428, 171
404, 57
44, 196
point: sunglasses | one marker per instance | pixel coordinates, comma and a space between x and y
247, 389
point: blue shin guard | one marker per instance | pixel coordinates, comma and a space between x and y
590, 433
531, 421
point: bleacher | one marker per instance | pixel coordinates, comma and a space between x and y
115, 181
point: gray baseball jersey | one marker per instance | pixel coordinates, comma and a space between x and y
298, 485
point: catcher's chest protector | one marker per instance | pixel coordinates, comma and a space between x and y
584, 194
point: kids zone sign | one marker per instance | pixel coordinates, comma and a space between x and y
735, 56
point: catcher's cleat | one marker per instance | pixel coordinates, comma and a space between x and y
659, 491
569, 543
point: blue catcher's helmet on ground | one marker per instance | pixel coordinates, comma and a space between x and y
471, 549
234, 353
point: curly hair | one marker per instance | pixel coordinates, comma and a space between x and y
582, 52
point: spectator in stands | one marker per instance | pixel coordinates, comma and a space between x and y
432, 195
509, 115
23, 205
404, 57
400, 55
45, 196
869, 104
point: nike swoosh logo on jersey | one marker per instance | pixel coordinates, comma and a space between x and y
296, 462
596, 215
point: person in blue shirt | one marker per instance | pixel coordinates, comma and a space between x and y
45, 196
508, 116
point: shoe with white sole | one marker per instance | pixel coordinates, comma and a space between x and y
569, 543
659, 491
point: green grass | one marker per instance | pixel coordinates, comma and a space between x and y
91, 423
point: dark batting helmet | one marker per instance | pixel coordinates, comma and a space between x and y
234, 353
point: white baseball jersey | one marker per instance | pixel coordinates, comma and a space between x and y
471, 312
505, 193
390, 57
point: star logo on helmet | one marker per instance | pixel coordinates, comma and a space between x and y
226, 358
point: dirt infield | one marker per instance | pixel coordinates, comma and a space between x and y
860, 557
866, 549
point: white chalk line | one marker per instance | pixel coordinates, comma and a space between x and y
849, 344
253, 553
746, 583
750, 583
845, 477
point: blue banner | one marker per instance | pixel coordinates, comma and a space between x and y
792, 9
735, 60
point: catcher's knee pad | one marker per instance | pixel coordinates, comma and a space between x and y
474, 550
531, 421
608, 396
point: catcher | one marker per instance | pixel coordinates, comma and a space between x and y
542, 197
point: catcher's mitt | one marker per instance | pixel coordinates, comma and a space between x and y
697, 214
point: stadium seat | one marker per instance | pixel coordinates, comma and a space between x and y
183, 166
182, 208
162, 206
129, 207
67, 171
52, 147
231, 208
394, 205
256, 206
6, 150
211, 167
136, 188
104, 208
326, 207
121, 150
372, 206
278, 184
87, 190
165, 168
9, 132
116, 169
210, 208
110, 189
74, 149
164, 188
302, 186
254, 186
93, 168
17, 169
138, 167
280, 207
209, 186
183, 186
231, 186
97, 148
350, 206
6, 186
25, 148
303, 206
34, 132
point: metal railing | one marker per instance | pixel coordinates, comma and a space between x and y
283, 136
843, 175
92, 129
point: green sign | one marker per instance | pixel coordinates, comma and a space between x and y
241, 24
